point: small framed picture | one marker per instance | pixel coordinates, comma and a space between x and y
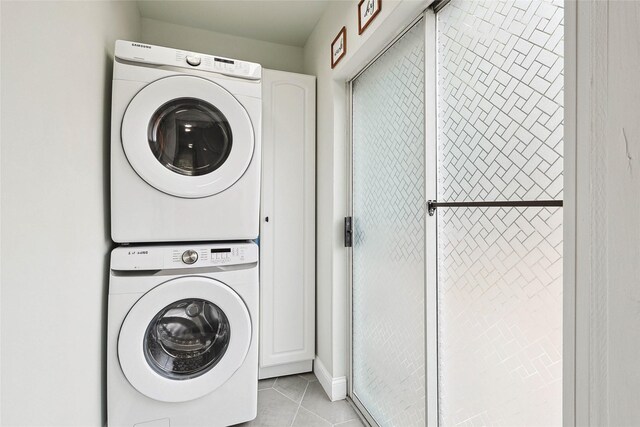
339, 47
367, 12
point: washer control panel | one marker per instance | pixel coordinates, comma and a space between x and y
228, 255
129, 258
189, 256
157, 55
194, 61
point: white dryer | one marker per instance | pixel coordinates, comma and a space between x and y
185, 146
182, 335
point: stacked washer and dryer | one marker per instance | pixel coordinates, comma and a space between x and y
185, 193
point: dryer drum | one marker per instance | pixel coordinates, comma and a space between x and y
190, 136
186, 339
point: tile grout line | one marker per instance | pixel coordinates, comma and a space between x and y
315, 413
300, 404
284, 395
320, 416
323, 418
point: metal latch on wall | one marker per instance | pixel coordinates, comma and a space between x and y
348, 232
431, 207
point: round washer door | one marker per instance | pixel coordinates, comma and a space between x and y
187, 136
184, 339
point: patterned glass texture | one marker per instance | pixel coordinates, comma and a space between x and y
388, 250
500, 316
500, 129
500, 103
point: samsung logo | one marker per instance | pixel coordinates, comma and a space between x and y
141, 45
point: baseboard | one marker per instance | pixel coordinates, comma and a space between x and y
285, 369
336, 388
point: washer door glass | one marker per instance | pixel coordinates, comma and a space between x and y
175, 342
187, 339
190, 136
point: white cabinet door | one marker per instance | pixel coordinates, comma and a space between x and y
287, 231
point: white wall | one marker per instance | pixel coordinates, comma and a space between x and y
331, 158
56, 94
608, 203
270, 55
622, 211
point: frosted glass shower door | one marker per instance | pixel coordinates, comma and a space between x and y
388, 197
500, 127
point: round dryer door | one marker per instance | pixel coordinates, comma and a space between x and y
187, 136
184, 339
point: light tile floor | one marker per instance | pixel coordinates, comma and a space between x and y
300, 401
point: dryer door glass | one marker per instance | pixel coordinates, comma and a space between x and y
186, 339
190, 136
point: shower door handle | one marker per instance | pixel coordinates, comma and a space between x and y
348, 232
433, 204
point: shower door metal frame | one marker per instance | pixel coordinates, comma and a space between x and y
575, 322
360, 407
431, 230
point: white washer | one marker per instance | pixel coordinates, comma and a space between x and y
185, 146
182, 335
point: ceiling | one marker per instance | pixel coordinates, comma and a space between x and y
287, 22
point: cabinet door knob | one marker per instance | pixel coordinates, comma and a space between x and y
266, 219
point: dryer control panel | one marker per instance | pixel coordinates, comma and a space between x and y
130, 258
157, 55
